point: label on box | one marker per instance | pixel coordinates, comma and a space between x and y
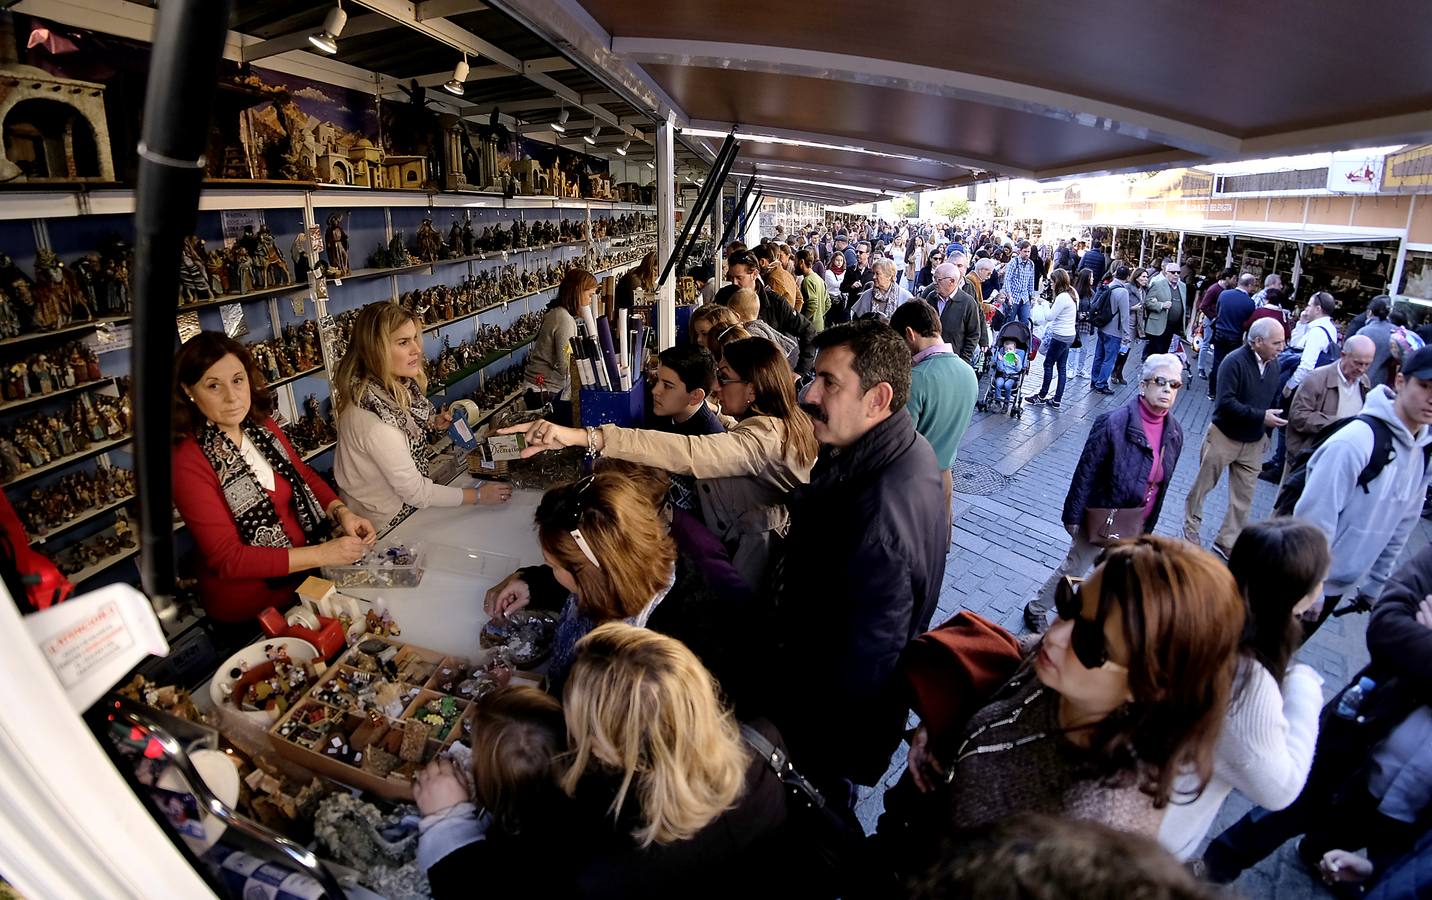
462, 434
505, 447
92, 641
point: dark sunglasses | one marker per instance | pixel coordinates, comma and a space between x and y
1161, 381
1087, 639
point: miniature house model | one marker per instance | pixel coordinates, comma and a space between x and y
54, 128
405, 171
366, 165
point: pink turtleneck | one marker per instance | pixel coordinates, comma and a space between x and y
1153, 422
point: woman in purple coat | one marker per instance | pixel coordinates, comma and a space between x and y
1128, 462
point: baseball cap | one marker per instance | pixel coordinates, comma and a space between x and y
1418, 365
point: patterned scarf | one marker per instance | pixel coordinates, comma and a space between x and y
412, 422
250, 504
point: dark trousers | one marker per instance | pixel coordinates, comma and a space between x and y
1158, 343
1056, 354
1221, 348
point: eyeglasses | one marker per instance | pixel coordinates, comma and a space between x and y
576, 519
724, 380
1087, 639
1161, 381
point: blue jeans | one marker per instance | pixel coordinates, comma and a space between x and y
1004, 386
1105, 357
1056, 353
1081, 355
1021, 311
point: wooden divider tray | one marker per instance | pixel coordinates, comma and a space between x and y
382, 711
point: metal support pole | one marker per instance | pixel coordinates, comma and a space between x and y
665, 231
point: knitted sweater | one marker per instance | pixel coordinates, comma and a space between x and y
1049, 774
1265, 751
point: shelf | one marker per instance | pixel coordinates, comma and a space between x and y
470, 370
291, 378
320, 451
71, 330
366, 273
502, 404
11, 405
77, 521
261, 294
62, 462
108, 562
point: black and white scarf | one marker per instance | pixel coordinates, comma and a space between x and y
412, 422
252, 507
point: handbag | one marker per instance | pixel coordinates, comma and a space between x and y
834, 843
1103, 527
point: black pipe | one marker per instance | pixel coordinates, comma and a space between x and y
737, 210
718, 176
178, 104
728, 148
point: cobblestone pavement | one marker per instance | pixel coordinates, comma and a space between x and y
1006, 544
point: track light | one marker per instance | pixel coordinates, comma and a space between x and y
624, 148
327, 39
650, 164
560, 125
455, 84
591, 136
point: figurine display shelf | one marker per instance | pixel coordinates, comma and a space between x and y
385, 709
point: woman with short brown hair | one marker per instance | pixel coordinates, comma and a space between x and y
548, 363
258, 513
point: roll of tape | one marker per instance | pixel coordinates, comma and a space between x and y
303, 618
469, 409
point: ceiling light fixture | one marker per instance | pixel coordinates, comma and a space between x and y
591, 136
560, 126
455, 84
830, 184
327, 39
624, 148
650, 164
794, 142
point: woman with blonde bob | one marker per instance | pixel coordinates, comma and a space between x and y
744, 473
689, 809
384, 419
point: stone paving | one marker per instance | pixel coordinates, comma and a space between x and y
1005, 545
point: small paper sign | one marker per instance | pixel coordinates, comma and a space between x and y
93, 641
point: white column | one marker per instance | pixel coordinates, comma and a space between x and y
665, 233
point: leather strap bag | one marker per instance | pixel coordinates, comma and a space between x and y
1103, 527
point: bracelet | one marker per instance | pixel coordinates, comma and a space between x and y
336, 511
591, 443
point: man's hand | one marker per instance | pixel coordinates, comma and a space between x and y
1271, 419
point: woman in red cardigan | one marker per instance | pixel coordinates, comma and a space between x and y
260, 516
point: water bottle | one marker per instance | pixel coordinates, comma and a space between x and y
1352, 698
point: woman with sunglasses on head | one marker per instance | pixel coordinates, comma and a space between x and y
1124, 694
742, 475
1266, 748
610, 557
1122, 476
384, 419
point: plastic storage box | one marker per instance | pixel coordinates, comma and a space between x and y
378, 569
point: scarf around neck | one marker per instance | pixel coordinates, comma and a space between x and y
412, 422
251, 506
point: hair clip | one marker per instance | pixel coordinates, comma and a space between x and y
583, 546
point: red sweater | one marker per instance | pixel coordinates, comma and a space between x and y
238, 581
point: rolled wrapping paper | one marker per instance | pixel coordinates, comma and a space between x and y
469, 411
609, 353
590, 318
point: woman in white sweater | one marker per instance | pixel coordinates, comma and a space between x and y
384, 417
1266, 748
1058, 337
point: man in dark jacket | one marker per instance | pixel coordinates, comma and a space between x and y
775, 311
1235, 306
862, 565
961, 321
1238, 436
859, 277
1094, 260
1400, 645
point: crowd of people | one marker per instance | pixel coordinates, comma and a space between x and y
747, 584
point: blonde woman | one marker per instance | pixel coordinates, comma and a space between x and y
384, 418
686, 807
709, 318
742, 475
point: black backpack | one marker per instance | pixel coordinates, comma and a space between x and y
1101, 307
1383, 452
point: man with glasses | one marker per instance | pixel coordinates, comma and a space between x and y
1247, 406
1163, 309
960, 320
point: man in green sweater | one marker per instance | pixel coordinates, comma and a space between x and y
943, 388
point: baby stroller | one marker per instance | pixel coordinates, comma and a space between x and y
1024, 341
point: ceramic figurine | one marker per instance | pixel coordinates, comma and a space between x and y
193, 273
429, 242
336, 240
299, 254
270, 259
243, 270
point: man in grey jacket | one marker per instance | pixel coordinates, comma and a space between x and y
1163, 309
1368, 528
1379, 330
1113, 334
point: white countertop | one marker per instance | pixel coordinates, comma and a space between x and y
444, 612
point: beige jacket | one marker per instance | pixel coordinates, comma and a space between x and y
741, 476
1315, 407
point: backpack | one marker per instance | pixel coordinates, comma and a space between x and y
1101, 307
1382, 453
